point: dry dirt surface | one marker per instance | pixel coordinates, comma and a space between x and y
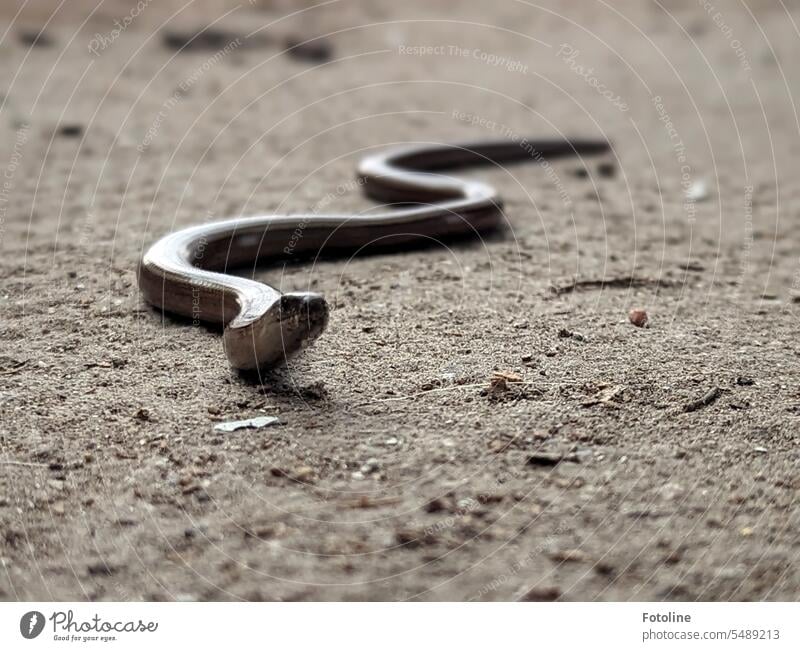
481, 421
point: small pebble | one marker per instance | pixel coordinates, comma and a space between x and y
206, 40
313, 51
35, 39
70, 130
303, 474
546, 593
565, 333
551, 458
698, 191
638, 318
607, 170
370, 466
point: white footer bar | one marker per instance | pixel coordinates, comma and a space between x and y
399, 626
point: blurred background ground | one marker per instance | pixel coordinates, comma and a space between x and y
396, 474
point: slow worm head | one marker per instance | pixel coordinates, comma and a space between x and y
185, 272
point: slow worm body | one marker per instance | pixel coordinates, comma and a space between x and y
184, 272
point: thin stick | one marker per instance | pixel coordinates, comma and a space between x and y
23, 463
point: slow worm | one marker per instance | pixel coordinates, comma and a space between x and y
185, 272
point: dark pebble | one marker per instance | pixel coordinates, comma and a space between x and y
551, 458
70, 130
35, 39
206, 40
549, 593
607, 170
100, 569
316, 51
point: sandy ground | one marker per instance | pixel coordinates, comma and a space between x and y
596, 470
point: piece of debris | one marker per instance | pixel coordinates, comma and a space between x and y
411, 537
619, 282
314, 391
316, 50
638, 317
705, 401
436, 505
606, 397
24, 464
367, 502
547, 593
203, 40
760, 449
698, 191
57, 484
300, 474
568, 556
9, 365
507, 386
303, 473
744, 381
550, 459
35, 39
564, 333
70, 130
501, 379
370, 466
607, 169
251, 423
142, 414
100, 568
498, 445
647, 513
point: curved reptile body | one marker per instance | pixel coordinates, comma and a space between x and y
185, 272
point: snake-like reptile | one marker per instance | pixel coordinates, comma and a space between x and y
185, 272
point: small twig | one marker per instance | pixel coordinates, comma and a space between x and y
705, 401
15, 369
620, 282
366, 502
23, 463
422, 393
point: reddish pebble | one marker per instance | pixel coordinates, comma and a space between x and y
638, 318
